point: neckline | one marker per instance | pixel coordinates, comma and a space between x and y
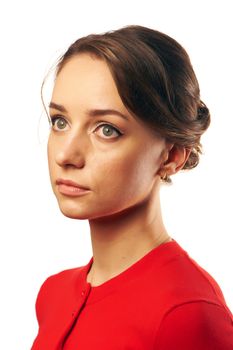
157, 256
131, 266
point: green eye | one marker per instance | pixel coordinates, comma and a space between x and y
108, 130
58, 122
61, 123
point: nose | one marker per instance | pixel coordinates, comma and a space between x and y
70, 151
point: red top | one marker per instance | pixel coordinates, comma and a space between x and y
164, 301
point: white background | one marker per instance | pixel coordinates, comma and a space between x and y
36, 239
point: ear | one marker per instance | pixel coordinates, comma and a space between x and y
175, 160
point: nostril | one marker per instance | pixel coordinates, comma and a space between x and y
69, 160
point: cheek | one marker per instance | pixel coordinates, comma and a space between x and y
50, 155
49, 152
124, 175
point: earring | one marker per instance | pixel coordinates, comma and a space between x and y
164, 177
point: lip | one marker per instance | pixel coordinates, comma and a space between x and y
70, 183
71, 188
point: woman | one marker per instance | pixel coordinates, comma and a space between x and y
125, 116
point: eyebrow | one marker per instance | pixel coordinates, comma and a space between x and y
90, 112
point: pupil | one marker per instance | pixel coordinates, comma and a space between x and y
61, 124
108, 129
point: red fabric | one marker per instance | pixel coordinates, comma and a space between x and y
165, 301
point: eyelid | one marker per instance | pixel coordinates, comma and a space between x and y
102, 122
57, 116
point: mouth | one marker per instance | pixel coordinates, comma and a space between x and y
70, 183
71, 188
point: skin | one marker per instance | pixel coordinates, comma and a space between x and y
123, 172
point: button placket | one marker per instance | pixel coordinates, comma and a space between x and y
76, 311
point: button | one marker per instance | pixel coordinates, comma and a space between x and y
83, 292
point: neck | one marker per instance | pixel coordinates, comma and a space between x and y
119, 240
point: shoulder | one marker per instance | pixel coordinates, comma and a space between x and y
60, 278
196, 325
183, 279
54, 287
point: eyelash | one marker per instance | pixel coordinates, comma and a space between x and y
57, 117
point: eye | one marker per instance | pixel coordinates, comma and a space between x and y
58, 123
108, 130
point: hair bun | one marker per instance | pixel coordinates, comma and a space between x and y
203, 115
202, 111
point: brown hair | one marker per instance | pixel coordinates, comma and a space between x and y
155, 80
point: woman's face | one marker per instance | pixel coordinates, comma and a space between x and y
117, 158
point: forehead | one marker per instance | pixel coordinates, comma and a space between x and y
84, 65
88, 79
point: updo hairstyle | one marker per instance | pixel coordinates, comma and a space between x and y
155, 80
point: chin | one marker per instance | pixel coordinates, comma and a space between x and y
73, 211
74, 214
